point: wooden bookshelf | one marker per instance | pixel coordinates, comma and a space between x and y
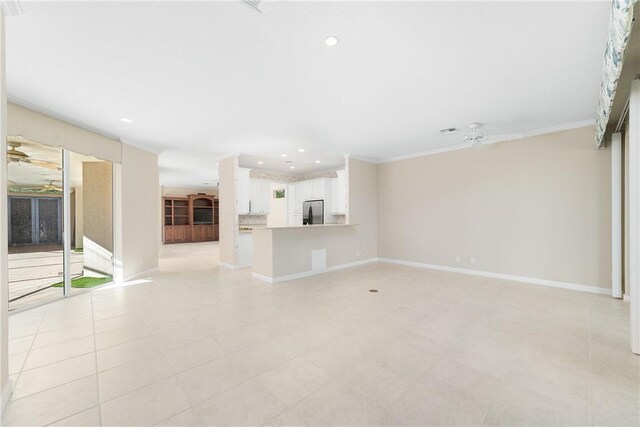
190, 219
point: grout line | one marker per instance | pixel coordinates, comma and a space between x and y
95, 353
506, 375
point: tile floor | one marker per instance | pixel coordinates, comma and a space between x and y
199, 345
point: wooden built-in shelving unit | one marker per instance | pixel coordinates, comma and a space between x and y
190, 219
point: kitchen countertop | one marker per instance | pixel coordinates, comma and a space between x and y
310, 226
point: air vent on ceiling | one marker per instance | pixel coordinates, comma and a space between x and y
449, 130
259, 5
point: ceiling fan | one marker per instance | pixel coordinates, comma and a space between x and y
474, 137
16, 156
52, 187
477, 139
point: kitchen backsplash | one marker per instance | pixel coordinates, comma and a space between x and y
252, 219
283, 177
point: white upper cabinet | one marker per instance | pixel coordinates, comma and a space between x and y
243, 190
306, 190
267, 195
256, 195
318, 190
260, 196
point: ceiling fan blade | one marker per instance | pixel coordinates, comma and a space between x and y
44, 164
492, 139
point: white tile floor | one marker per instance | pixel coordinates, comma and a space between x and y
198, 345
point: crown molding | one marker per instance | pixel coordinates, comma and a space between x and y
464, 145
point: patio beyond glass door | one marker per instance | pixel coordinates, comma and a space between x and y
35, 213
38, 252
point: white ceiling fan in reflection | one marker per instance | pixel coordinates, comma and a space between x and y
14, 155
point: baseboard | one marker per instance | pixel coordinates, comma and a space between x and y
7, 390
232, 267
626, 297
530, 280
262, 277
141, 274
313, 273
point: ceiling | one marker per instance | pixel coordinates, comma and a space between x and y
200, 80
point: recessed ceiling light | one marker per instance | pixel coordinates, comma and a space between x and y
292, 167
331, 41
317, 161
126, 120
260, 162
300, 150
283, 155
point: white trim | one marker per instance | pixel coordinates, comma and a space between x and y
312, 273
140, 274
633, 281
5, 395
232, 267
464, 145
118, 263
560, 128
616, 215
66, 222
625, 297
437, 150
262, 277
531, 280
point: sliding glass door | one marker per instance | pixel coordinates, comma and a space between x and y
35, 201
43, 258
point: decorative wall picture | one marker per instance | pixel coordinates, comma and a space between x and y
279, 194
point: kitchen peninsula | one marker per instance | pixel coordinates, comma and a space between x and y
291, 252
263, 231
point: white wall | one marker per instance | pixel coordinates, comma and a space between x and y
538, 208
185, 191
140, 218
228, 214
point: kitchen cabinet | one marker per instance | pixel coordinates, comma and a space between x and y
295, 219
260, 197
318, 188
292, 201
245, 249
339, 193
243, 190
306, 190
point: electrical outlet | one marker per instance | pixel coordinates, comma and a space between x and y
357, 253
473, 260
457, 258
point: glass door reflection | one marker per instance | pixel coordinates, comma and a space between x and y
35, 201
